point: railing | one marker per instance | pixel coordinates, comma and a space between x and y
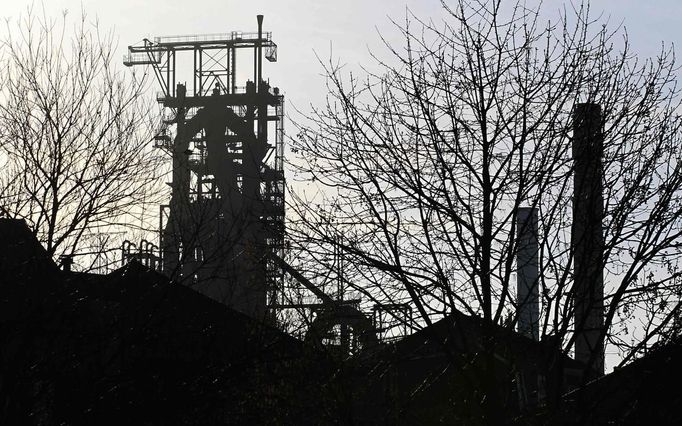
141, 58
200, 38
238, 90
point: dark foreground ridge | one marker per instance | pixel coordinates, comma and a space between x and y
131, 347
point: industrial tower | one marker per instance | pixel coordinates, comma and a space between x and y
225, 218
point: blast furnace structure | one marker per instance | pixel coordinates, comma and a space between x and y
225, 218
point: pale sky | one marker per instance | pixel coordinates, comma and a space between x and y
303, 27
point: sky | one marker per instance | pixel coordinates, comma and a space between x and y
307, 29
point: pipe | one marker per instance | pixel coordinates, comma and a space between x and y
260, 52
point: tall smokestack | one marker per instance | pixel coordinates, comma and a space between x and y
527, 309
586, 237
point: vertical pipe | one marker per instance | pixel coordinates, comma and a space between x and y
259, 52
586, 236
262, 106
162, 245
169, 91
228, 89
173, 74
234, 70
255, 58
200, 71
527, 309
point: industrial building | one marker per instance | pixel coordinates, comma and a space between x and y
222, 234
225, 220
133, 346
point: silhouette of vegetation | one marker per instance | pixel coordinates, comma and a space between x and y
419, 169
74, 145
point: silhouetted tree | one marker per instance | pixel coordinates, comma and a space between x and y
74, 133
422, 166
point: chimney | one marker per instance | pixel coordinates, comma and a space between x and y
527, 309
586, 237
259, 54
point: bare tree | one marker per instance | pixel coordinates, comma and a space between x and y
423, 166
74, 133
